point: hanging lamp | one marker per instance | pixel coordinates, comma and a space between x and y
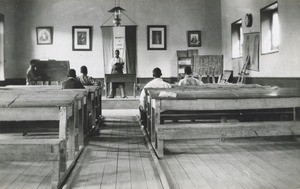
117, 10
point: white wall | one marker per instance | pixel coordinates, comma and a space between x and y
179, 16
285, 63
7, 8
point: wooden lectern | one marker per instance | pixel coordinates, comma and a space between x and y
126, 78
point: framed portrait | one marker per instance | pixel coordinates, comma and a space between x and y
44, 35
157, 37
82, 38
194, 38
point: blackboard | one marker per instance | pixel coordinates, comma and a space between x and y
208, 65
52, 70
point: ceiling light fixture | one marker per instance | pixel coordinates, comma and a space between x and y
117, 10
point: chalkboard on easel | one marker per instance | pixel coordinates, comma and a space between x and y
52, 70
211, 65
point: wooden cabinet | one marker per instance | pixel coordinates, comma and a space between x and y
184, 58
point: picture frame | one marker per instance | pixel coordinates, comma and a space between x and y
44, 35
157, 37
82, 38
194, 38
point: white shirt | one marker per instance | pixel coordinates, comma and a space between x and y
188, 80
155, 83
118, 60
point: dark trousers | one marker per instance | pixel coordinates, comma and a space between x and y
143, 118
114, 86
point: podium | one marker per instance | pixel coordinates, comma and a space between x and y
125, 78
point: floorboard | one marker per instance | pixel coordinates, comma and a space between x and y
117, 158
16, 174
252, 163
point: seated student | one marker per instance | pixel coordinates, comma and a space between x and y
157, 82
72, 82
32, 74
86, 80
188, 79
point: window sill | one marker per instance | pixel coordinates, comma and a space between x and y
236, 57
270, 52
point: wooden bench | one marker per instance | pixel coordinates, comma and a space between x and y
222, 100
64, 106
193, 115
224, 130
38, 150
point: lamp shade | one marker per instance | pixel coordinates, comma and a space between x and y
116, 9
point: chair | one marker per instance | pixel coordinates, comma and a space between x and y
225, 76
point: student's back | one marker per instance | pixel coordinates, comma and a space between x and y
85, 79
188, 80
72, 82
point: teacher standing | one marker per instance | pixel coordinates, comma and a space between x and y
117, 67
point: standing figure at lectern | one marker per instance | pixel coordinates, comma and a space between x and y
117, 67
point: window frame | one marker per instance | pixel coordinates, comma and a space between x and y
266, 15
237, 27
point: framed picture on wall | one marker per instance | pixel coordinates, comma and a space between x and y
82, 38
44, 35
194, 38
157, 37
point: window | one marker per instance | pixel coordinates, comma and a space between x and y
270, 34
237, 39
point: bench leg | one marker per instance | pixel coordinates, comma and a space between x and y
223, 119
160, 148
71, 138
55, 177
59, 165
81, 127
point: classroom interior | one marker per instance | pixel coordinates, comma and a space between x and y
240, 129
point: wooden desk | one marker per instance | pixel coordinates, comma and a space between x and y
45, 107
191, 88
126, 78
222, 99
93, 102
42, 103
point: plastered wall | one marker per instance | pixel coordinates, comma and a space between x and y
179, 16
286, 62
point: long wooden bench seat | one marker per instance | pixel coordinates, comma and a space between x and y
38, 150
255, 102
173, 131
221, 116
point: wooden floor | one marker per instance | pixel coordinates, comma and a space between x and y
118, 158
27, 175
236, 163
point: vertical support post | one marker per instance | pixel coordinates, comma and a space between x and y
77, 123
93, 109
160, 148
71, 133
63, 122
148, 109
157, 103
294, 114
81, 122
